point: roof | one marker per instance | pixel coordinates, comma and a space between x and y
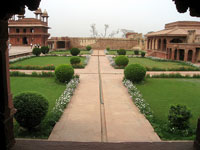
38, 11
45, 14
179, 28
27, 22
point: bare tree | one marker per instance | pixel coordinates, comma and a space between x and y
93, 30
125, 31
113, 33
105, 29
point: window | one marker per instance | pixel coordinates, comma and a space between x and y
32, 30
17, 30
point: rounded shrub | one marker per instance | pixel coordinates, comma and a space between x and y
36, 51
44, 49
179, 117
121, 61
143, 54
31, 109
135, 72
136, 52
75, 60
64, 73
74, 51
121, 52
107, 48
88, 47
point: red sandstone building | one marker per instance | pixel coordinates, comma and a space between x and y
178, 41
27, 31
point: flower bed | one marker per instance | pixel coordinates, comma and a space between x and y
62, 101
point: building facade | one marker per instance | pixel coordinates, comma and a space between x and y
178, 41
29, 31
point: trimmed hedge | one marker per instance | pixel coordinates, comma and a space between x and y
36, 51
64, 73
31, 109
121, 52
88, 47
135, 73
74, 51
44, 49
75, 60
179, 117
121, 61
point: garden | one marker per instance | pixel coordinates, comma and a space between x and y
48, 61
42, 98
150, 63
169, 102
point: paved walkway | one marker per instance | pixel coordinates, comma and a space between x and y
16, 50
101, 109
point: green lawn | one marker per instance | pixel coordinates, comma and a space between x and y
162, 93
146, 62
48, 87
67, 52
46, 60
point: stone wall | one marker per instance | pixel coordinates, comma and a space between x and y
96, 43
103, 43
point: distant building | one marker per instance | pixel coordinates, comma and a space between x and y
29, 31
138, 37
178, 41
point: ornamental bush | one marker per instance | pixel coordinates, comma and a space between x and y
179, 117
64, 73
121, 52
44, 49
75, 60
74, 51
121, 61
143, 54
31, 109
135, 73
36, 51
107, 48
88, 47
136, 52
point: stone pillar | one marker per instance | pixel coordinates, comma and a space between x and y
197, 139
162, 45
186, 55
172, 54
193, 56
6, 106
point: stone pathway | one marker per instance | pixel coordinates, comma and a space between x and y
101, 109
17, 50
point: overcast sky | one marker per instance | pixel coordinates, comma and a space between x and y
74, 17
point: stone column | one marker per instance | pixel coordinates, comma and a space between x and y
172, 54
197, 139
193, 56
186, 55
162, 45
6, 106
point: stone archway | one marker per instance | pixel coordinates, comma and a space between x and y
61, 45
181, 54
159, 44
190, 53
24, 41
164, 44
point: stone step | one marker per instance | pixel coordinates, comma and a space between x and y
22, 144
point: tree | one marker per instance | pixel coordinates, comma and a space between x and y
93, 30
125, 31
